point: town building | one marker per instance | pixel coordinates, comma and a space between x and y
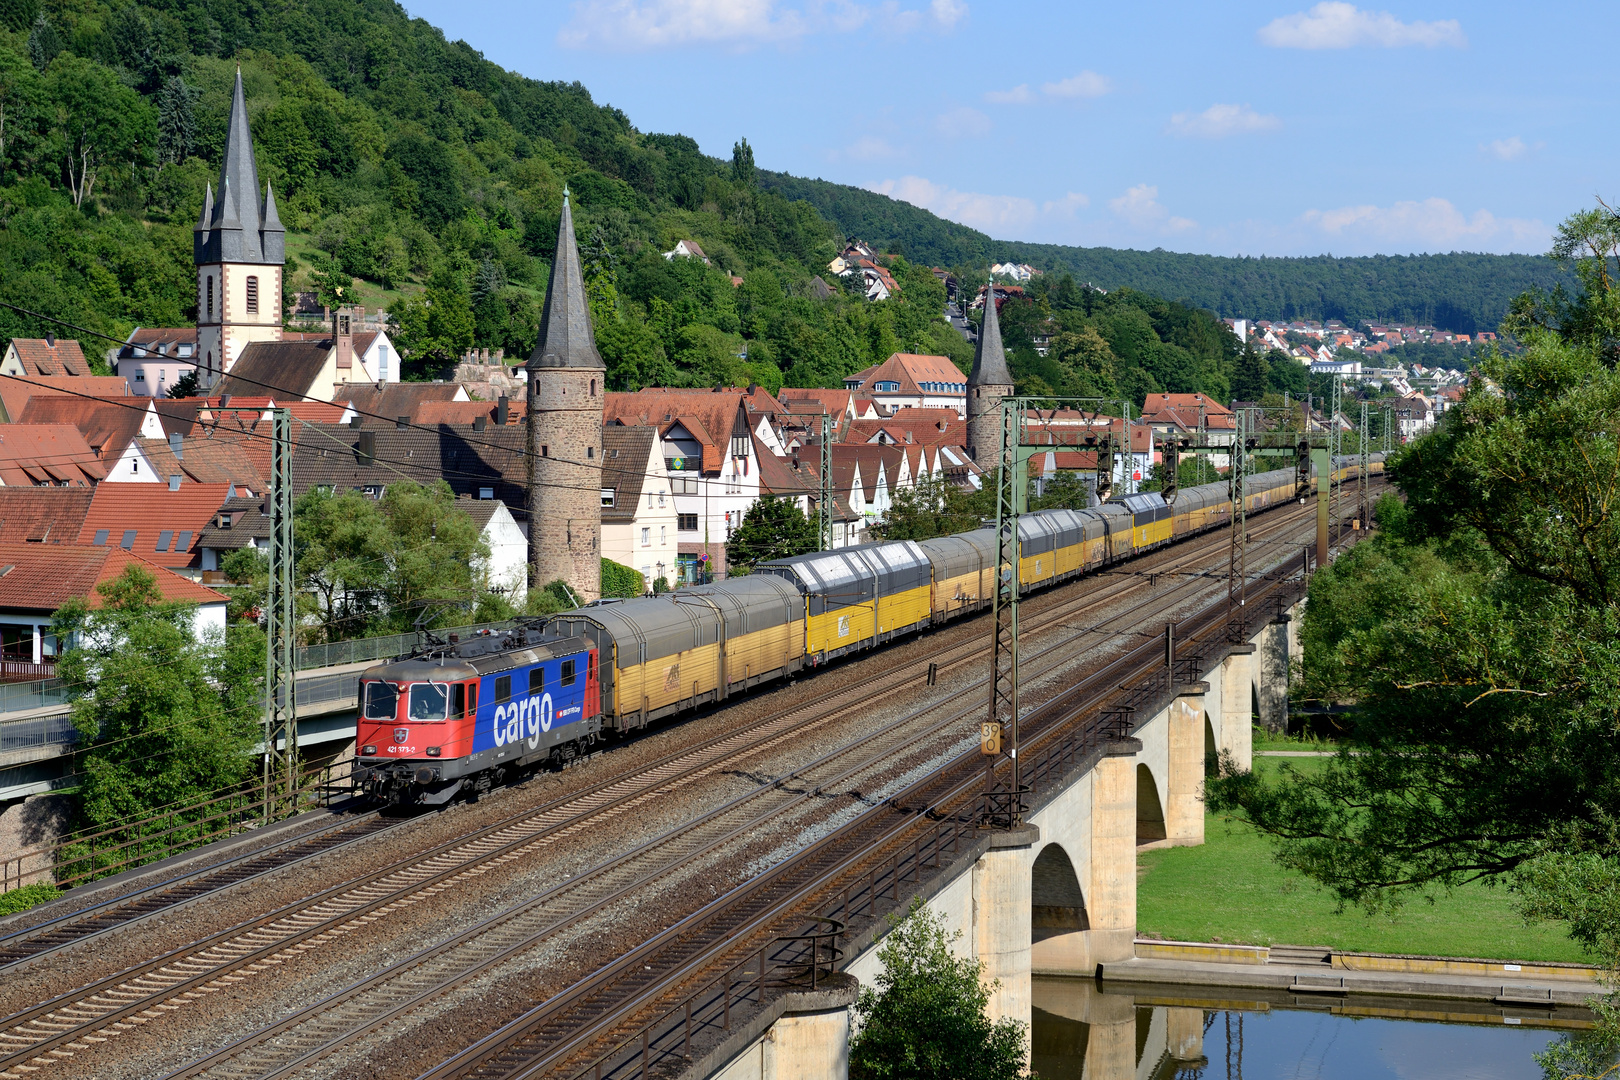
912, 380
31, 357
640, 521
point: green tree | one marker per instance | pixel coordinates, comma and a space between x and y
926, 1017
771, 529
742, 164
167, 717
176, 128
99, 121
21, 105
1251, 376
1588, 243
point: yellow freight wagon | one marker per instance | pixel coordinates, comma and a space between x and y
857, 597
964, 571
690, 647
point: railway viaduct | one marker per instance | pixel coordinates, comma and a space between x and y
1056, 896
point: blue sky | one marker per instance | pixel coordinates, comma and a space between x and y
1276, 128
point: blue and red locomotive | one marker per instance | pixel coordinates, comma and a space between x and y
469, 714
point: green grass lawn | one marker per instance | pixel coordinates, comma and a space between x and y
1232, 890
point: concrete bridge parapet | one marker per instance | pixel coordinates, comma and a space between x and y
1058, 895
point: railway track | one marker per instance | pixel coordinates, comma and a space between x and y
58, 1028
38, 942
298, 1041
589, 1030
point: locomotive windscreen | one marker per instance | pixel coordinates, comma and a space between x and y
382, 701
429, 701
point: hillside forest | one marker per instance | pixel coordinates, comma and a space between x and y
413, 174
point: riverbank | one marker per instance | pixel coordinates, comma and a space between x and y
1230, 890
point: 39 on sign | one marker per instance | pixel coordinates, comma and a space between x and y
990, 737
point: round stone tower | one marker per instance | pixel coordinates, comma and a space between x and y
566, 377
988, 383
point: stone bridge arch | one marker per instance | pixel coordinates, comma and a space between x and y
1149, 807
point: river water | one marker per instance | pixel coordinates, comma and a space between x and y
1081, 1032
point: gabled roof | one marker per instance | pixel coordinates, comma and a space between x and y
626, 460
210, 459
989, 356
16, 392
277, 368
47, 455
911, 371
837, 403
107, 426
42, 357
157, 524
916, 430
43, 577
711, 417
328, 456
783, 476
566, 339
161, 342
382, 404
465, 412
480, 510
872, 461
237, 524
43, 515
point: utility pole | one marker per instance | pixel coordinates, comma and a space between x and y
1003, 716
280, 673
1363, 485
1237, 571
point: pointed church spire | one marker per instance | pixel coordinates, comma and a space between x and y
269, 220
990, 358
236, 216
566, 336
208, 207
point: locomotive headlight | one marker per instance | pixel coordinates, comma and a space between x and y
433, 751
368, 751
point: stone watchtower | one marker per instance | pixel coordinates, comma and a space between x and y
566, 376
240, 248
987, 384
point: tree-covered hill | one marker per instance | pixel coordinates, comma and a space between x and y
412, 172
1460, 291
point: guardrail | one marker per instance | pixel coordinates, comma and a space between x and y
94, 853
42, 693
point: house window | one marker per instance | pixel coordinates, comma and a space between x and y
660, 498
140, 376
486, 493
184, 543
739, 446
128, 542
101, 537
135, 466
382, 362
686, 522
165, 538
646, 537
607, 496
545, 451
252, 295
663, 534
649, 500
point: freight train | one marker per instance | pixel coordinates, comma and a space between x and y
467, 716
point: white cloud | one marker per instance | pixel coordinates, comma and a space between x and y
947, 13
991, 213
1334, 24
1066, 206
1506, 149
1018, 95
1431, 225
867, 148
962, 123
1219, 121
629, 25
1140, 206
1087, 84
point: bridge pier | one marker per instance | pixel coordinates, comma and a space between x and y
1237, 674
1271, 674
1002, 920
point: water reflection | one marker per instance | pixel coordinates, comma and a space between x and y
1083, 1031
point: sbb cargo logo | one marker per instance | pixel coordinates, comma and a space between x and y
524, 718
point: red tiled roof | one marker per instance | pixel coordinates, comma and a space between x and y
465, 412
148, 511
15, 392
710, 416
43, 577
910, 370
43, 515
47, 455
40, 357
108, 426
